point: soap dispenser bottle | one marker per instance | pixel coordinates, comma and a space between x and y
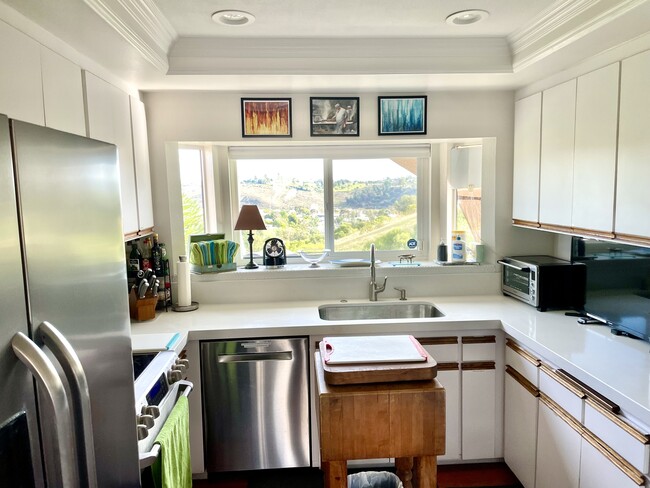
458, 248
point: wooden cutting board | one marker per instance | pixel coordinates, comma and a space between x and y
375, 359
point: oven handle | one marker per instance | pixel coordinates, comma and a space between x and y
148, 458
510, 265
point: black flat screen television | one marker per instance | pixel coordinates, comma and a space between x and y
618, 284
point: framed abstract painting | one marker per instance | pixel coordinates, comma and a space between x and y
266, 117
402, 115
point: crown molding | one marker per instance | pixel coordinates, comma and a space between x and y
141, 24
563, 24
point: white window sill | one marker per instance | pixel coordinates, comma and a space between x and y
326, 270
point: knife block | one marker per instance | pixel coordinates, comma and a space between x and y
142, 308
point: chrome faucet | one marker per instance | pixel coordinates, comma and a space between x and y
374, 288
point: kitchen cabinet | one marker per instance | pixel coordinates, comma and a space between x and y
520, 427
109, 119
558, 447
141, 161
21, 92
446, 352
556, 156
633, 173
598, 468
525, 187
479, 412
521, 409
594, 162
563, 433
62, 93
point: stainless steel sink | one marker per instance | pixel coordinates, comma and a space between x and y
379, 311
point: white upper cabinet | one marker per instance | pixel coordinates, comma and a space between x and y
633, 176
594, 164
21, 92
528, 125
109, 120
141, 157
62, 93
556, 163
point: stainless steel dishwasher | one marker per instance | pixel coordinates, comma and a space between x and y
255, 404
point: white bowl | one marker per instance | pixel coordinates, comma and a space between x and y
314, 257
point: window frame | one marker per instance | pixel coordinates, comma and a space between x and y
424, 210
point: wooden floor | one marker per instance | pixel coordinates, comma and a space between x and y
490, 475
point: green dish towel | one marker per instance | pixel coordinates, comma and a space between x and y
172, 469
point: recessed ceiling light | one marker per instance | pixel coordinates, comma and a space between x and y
233, 17
466, 17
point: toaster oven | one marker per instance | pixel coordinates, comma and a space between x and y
545, 282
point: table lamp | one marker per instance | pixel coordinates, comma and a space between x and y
250, 219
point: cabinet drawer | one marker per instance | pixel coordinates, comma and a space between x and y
630, 441
600, 468
563, 392
442, 349
523, 362
479, 348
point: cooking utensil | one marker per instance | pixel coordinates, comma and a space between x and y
142, 288
154, 288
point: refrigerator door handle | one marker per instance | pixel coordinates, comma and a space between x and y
74, 372
47, 377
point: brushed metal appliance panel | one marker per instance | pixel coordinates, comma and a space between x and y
255, 404
68, 191
16, 387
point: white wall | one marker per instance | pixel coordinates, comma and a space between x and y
198, 116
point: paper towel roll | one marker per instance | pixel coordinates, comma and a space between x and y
184, 282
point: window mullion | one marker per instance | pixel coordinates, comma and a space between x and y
328, 195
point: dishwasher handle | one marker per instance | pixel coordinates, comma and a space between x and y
255, 356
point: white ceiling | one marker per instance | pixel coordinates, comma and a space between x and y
337, 45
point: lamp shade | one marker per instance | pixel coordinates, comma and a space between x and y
249, 219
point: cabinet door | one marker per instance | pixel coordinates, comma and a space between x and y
62, 93
558, 451
21, 91
525, 184
479, 414
446, 352
594, 165
450, 380
598, 471
632, 195
556, 163
520, 431
109, 120
141, 160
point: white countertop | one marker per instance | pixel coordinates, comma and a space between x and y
618, 367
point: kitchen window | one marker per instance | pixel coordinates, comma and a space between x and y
190, 160
341, 198
338, 198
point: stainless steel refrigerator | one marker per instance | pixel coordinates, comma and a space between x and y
62, 263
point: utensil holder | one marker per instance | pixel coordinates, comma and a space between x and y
142, 308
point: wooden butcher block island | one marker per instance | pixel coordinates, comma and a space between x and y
404, 420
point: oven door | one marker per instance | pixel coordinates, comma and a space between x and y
519, 280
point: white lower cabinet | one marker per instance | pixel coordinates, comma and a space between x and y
558, 451
450, 380
563, 434
479, 414
520, 430
446, 352
597, 470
